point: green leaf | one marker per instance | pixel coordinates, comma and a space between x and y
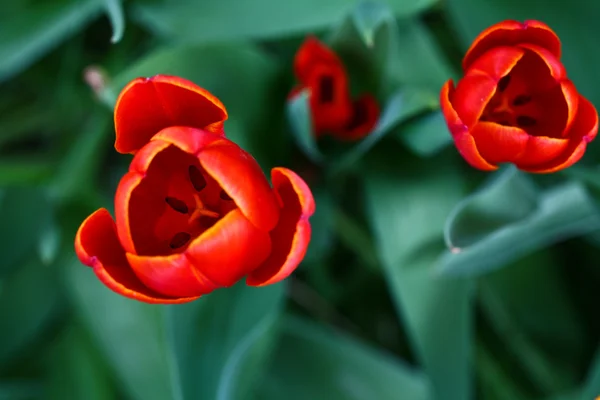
214, 21
407, 202
321, 223
25, 213
508, 197
20, 390
130, 335
355, 238
299, 116
574, 23
425, 136
591, 388
31, 33
24, 171
29, 301
562, 212
114, 9
313, 362
222, 341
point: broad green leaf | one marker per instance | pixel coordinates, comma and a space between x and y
25, 212
21, 390
508, 197
131, 335
574, 22
234, 19
299, 116
496, 383
425, 136
114, 9
31, 33
407, 202
322, 223
562, 212
29, 301
222, 341
246, 92
402, 105
76, 370
355, 238
591, 388
24, 171
314, 362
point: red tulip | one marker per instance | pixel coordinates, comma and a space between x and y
195, 212
333, 111
515, 103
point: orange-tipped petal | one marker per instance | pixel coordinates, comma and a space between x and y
126, 186
148, 105
512, 33
230, 249
463, 140
97, 246
498, 143
172, 275
365, 113
242, 179
310, 54
291, 236
572, 99
190, 140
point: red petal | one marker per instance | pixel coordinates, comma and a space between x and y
540, 150
512, 33
172, 275
330, 102
241, 178
365, 113
230, 249
188, 139
557, 70
97, 246
462, 138
127, 184
312, 53
572, 99
499, 144
291, 236
147, 105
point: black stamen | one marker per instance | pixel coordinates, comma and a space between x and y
521, 100
224, 196
179, 240
177, 205
525, 121
503, 83
326, 89
196, 178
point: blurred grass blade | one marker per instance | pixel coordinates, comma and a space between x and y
191, 20
407, 210
130, 334
426, 135
114, 9
563, 212
299, 115
31, 33
314, 362
508, 197
222, 341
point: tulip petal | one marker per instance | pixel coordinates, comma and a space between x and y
365, 113
147, 105
242, 179
541, 149
97, 246
497, 62
498, 143
172, 275
512, 33
229, 250
291, 236
463, 140
190, 140
310, 54
556, 68
126, 186
330, 103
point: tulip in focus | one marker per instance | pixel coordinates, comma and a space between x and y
515, 103
195, 212
334, 112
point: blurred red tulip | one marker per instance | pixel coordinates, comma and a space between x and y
319, 70
195, 212
515, 103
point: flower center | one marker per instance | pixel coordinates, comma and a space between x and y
510, 108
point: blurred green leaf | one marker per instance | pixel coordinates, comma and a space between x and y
496, 383
234, 19
29, 300
299, 115
20, 390
508, 197
407, 207
425, 136
31, 33
25, 212
355, 238
130, 334
591, 388
222, 341
321, 226
562, 212
114, 9
76, 370
369, 16
574, 22
313, 362
24, 171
